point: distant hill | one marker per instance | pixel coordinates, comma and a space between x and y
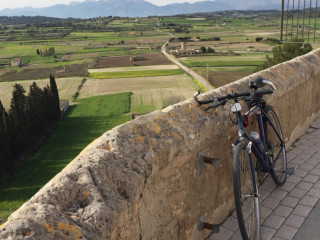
137, 8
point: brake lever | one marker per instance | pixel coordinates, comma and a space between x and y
270, 84
195, 97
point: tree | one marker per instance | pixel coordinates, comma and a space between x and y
5, 150
54, 100
17, 119
285, 52
210, 50
203, 49
36, 109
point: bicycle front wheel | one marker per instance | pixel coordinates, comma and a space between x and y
246, 203
276, 148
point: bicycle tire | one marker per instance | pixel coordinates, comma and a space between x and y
274, 147
246, 204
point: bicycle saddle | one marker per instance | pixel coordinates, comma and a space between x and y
257, 83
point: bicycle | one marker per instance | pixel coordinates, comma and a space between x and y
267, 146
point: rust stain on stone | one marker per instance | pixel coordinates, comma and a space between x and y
48, 227
139, 138
157, 129
105, 146
154, 143
26, 233
85, 194
175, 135
157, 118
71, 231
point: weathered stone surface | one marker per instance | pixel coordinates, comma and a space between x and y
140, 180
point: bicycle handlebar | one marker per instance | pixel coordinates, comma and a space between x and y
218, 101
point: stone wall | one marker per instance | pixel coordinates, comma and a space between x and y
141, 181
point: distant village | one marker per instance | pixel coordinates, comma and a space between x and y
185, 51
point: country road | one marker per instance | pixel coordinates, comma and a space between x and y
197, 76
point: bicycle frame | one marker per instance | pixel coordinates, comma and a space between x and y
262, 118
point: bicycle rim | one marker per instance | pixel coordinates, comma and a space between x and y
275, 149
247, 206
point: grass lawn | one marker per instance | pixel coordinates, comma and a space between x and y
83, 123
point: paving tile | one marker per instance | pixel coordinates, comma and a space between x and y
290, 201
294, 221
301, 210
313, 161
311, 150
267, 233
314, 192
304, 156
304, 185
286, 232
302, 146
311, 178
282, 211
309, 201
231, 223
270, 203
265, 212
300, 173
317, 185
315, 171
306, 136
294, 179
273, 221
288, 186
266, 188
297, 193
278, 194
307, 166
236, 236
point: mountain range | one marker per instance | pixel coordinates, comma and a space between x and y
138, 8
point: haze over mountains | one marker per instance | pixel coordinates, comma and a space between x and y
138, 8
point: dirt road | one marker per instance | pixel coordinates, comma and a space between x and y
197, 76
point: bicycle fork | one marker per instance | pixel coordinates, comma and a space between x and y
255, 188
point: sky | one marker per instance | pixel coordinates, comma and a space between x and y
46, 3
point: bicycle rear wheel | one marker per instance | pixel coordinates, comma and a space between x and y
275, 147
246, 203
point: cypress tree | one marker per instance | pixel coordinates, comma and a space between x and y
55, 102
36, 110
3, 151
18, 125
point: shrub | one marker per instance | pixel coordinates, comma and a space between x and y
285, 52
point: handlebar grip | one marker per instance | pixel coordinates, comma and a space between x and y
264, 91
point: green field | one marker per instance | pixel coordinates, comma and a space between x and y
83, 123
224, 61
133, 74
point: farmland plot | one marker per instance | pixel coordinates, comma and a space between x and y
149, 93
